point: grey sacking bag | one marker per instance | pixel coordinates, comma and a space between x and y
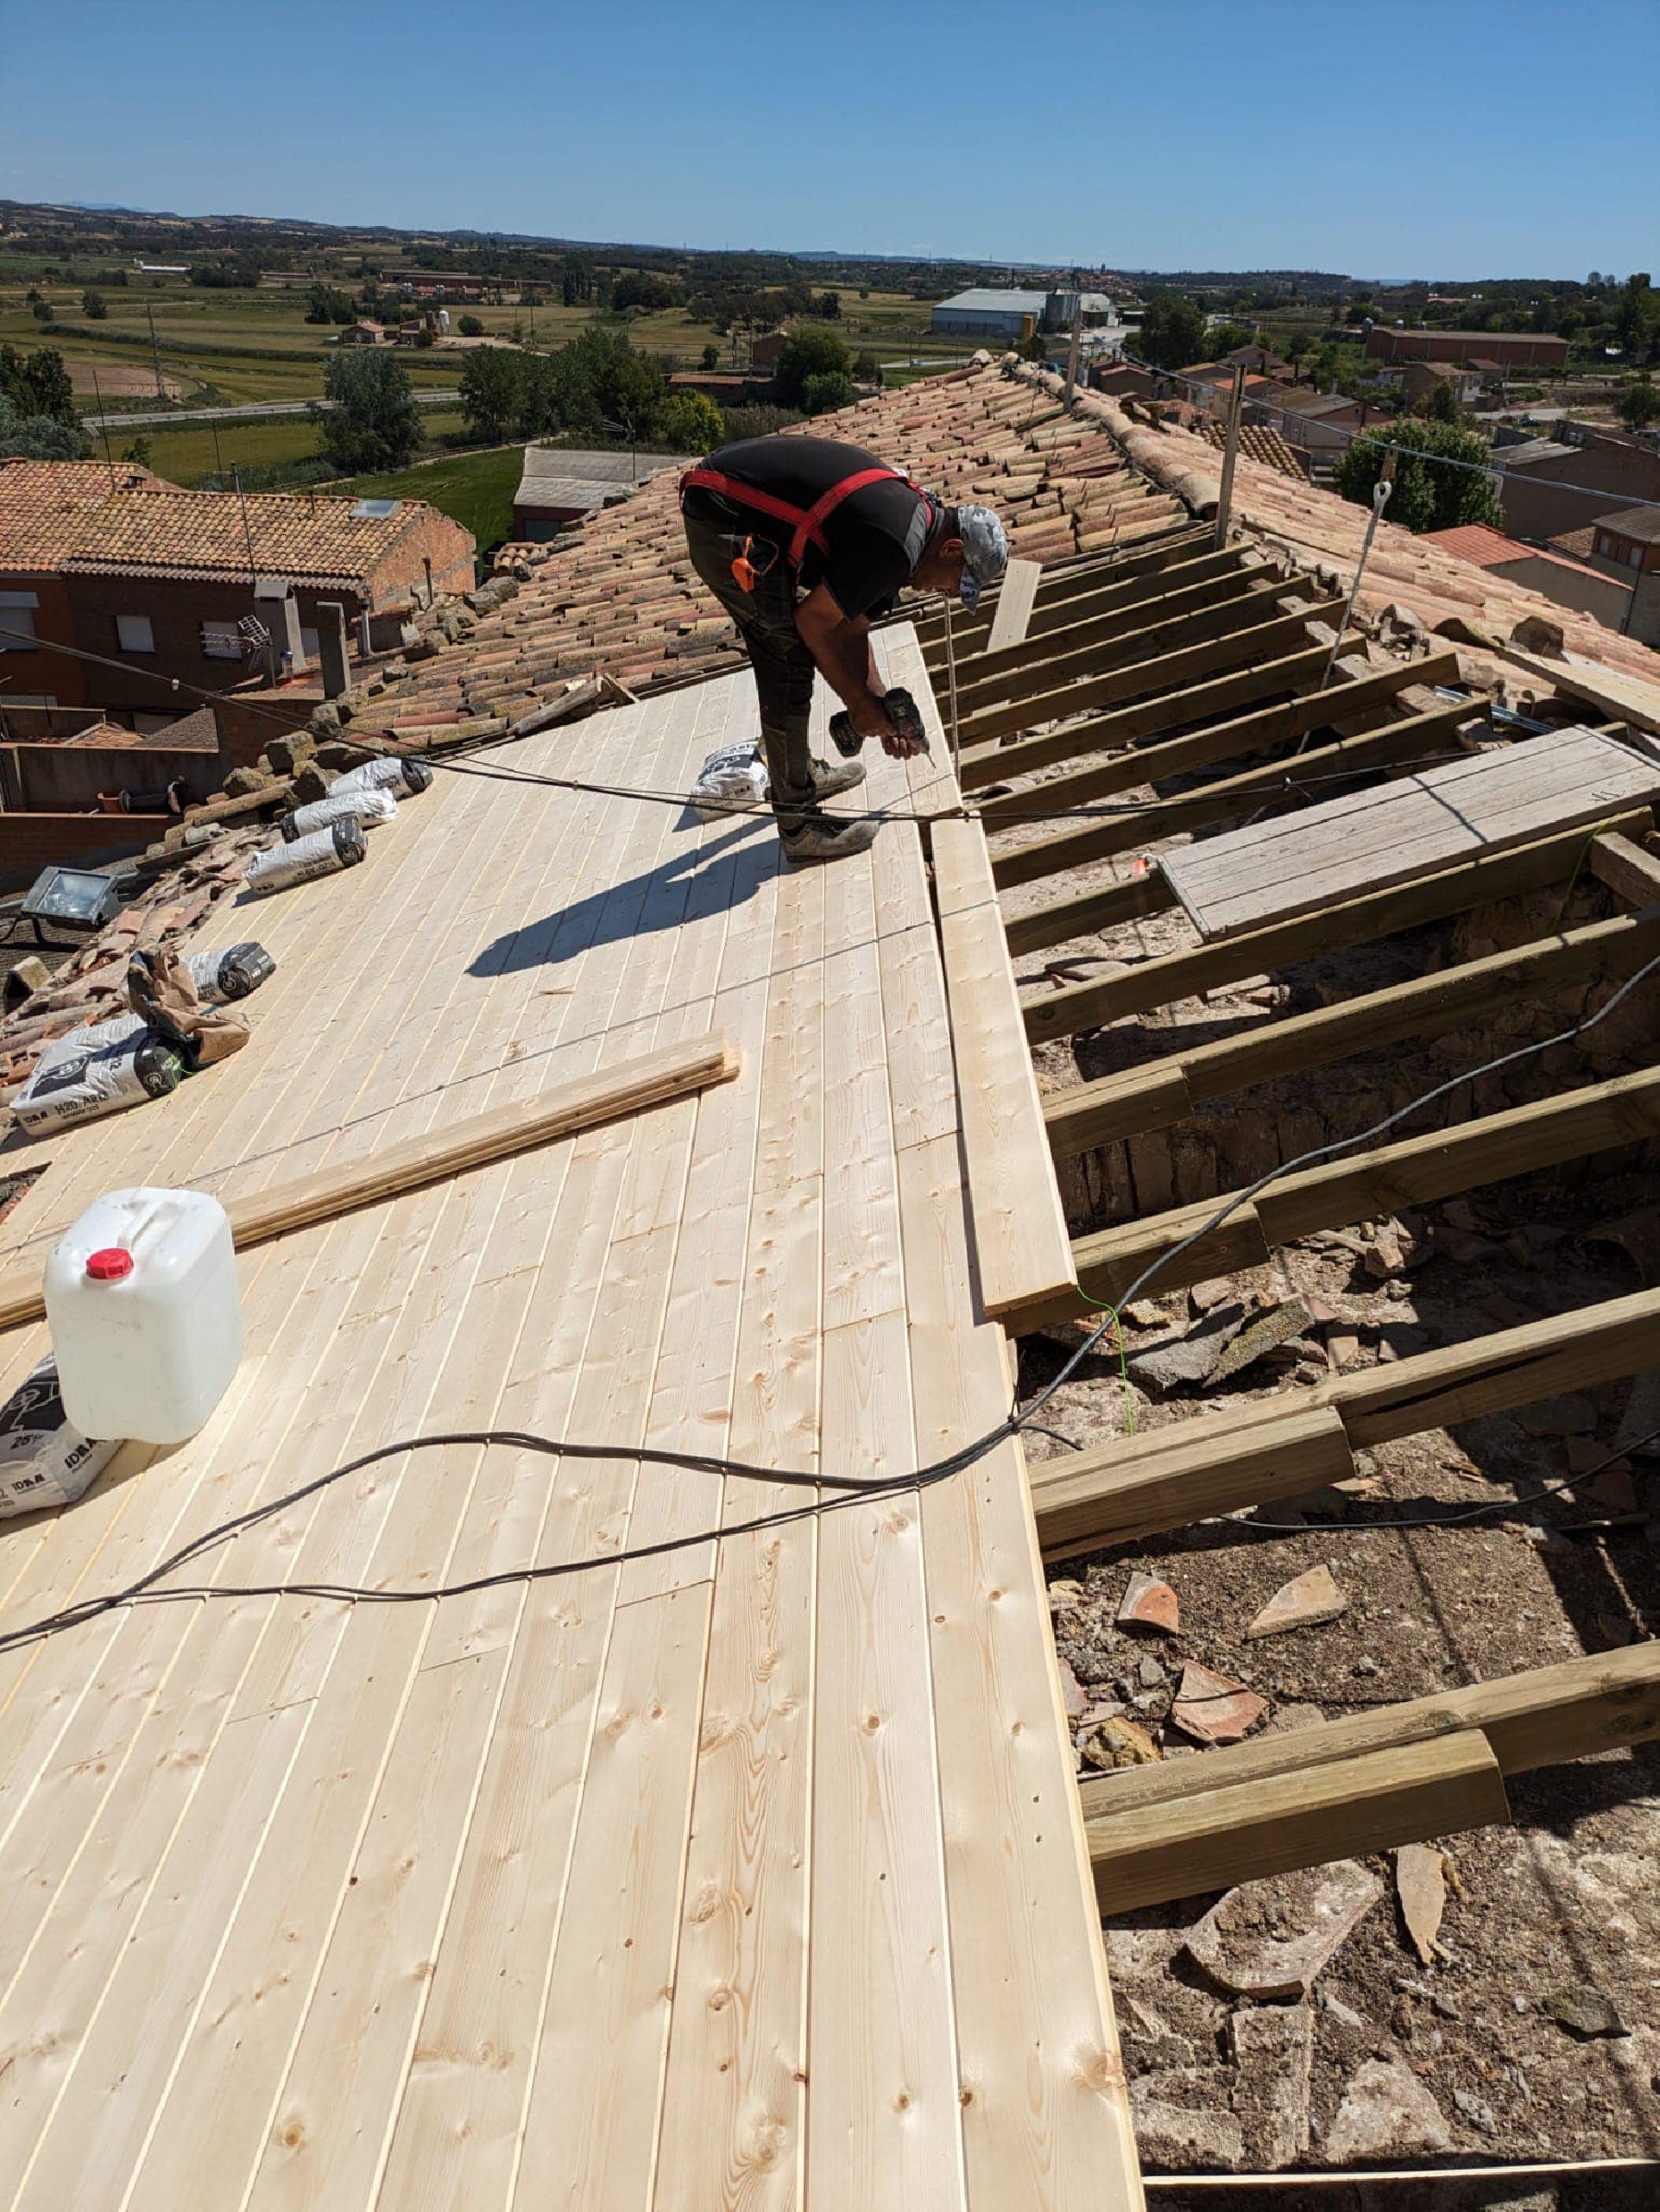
400, 773
369, 808
731, 781
44, 1461
324, 852
98, 1070
220, 976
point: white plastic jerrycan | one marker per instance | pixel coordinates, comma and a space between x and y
141, 1297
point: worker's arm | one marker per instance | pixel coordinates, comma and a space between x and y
842, 653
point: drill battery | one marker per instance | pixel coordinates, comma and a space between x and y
903, 713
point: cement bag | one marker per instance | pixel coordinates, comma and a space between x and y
98, 1070
367, 807
324, 852
734, 777
401, 774
220, 976
44, 1461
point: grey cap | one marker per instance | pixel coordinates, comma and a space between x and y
985, 552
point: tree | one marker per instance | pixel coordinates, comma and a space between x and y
1172, 332
829, 307
1035, 348
470, 326
806, 353
642, 288
39, 437
689, 422
711, 360
492, 392
1639, 402
1638, 321
94, 307
822, 395
374, 423
1428, 494
1440, 406
867, 369
426, 336
140, 451
38, 384
326, 306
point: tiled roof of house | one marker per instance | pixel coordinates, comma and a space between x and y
1487, 548
1257, 439
64, 515
44, 506
618, 593
1641, 523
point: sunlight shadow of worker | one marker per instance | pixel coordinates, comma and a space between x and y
637, 906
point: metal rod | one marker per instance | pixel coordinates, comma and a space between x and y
1230, 454
104, 424
1380, 492
1073, 350
956, 750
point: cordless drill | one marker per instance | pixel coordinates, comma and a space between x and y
902, 712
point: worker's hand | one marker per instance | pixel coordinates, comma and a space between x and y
869, 719
900, 748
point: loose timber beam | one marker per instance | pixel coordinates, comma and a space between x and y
1223, 741
1260, 788
1020, 1232
1198, 1470
1414, 1173
1179, 975
632, 1087
1082, 618
1168, 670
991, 762
1063, 583
1627, 869
1128, 900
1248, 1831
1154, 1098
1604, 1702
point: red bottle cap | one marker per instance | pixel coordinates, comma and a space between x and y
113, 1265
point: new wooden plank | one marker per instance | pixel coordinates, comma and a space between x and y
1540, 1718
1349, 846
1153, 1098
1168, 670
1027, 1969
1406, 1793
1173, 976
633, 1088
1024, 1250
1230, 740
1015, 604
1275, 784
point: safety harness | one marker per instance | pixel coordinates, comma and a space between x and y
806, 524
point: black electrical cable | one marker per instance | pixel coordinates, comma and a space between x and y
499, 772
853, 1490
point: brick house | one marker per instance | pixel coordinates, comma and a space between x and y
1627, 546
163, 582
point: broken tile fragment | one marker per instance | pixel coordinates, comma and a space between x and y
1074, 1696
1386, 2114
1306, 1602
1214, 1709
1272, 1939
1421, 1893
1277, 1327
1150, 1604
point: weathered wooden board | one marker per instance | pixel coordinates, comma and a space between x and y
1369, 840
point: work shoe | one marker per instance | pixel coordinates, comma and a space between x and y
830, 777
821, 837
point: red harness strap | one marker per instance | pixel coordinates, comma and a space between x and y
807, 523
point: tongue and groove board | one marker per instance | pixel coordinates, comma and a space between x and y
1367, 841
750, 1875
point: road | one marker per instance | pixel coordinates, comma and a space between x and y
258, 408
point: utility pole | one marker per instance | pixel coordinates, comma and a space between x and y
156, 353
104, 424
1073, 351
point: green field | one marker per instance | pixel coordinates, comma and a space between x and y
475, 489
191, 456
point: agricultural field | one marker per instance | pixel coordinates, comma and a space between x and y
475, 489
200, 453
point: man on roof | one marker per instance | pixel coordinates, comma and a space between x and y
805, 542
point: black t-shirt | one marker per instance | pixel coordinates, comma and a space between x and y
875, 535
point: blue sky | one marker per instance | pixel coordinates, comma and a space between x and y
1465, 138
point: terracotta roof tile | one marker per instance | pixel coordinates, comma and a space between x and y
64, 515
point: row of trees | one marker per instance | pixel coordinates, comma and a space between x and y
597, 387
37, 407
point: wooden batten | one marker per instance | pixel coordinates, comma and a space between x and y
1246, 1832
